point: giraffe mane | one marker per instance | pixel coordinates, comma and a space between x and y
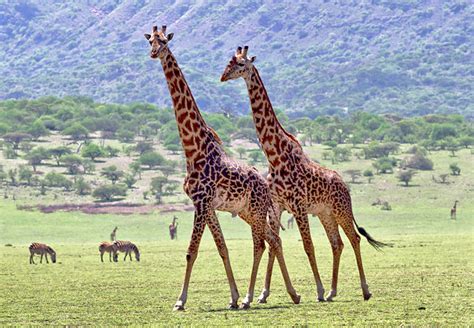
216, 136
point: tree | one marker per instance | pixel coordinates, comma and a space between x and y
369, 175
354, 174
92, 151
341, 154
72, 162
25, 174
129, 180
406, 176
136, 168
38, 130
152, 159
108, 192
384, 165
37, 156
58, 152
452, 145
15, 138
241, 151
455, 169
256, 156
143, 147
81, 186
157, 186
418, 161
54, 179
111, 173
88, 166
12, 176
125, 136
174, 149
326, 155
76, 131
111, 151
466, 141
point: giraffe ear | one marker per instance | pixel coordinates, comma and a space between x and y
170, 36
147, 36
253, 59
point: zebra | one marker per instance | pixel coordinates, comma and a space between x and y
109, 248
41, 249
126, 247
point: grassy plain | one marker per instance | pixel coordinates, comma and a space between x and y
426, 279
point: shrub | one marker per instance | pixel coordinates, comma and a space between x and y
111, 173
455, 169
152, 159
419, 162
109, 192
406, 176
92, 151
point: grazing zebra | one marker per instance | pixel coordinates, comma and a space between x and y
41, 249
127, 247
109, 248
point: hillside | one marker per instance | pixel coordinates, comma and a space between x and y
385, 56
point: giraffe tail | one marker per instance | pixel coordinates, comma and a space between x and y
378, 245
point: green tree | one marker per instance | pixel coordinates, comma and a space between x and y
38, 130
157, 188
143, 147
136, 168
25, 174
241, 151
81, 186
406, 176
37, 156
107, 193
12, 176
129, 180
384, 165
466, 141
92, 151
152, 159
15, 138
256, 156
354, 174
72, 162
58, 180
342, 154
76, 132
112, 173
58, 152
369, 175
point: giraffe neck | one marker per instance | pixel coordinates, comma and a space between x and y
194, 133
275, 140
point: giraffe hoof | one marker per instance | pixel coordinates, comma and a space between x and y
296, 299
178, 308
245, 306
321, 299
367, 296
262, 300
232, 307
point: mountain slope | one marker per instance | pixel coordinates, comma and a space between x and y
398, 56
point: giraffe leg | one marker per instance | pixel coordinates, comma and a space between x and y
303, 226
275, 243
354, 238
258, 249
218, 236
198, 229
275, 217
332, 231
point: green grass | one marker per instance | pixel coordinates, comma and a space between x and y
426, 279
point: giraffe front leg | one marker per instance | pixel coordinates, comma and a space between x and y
198, 229
303, 226
258, 249
218, 236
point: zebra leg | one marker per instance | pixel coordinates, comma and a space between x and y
125, 256
46, 257
41, 260
31, 259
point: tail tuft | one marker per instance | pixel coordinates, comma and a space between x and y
375, 244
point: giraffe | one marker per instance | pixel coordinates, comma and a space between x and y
113, 235
453, 210
173, 227
299, 185
216, 182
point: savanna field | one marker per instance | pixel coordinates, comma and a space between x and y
426, 279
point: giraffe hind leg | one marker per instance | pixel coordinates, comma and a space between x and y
354, 238
258, 249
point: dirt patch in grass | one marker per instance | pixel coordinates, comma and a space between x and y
108, 208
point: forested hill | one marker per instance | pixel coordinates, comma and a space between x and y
388, 56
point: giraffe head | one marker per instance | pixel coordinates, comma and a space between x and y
158, 41
239, 66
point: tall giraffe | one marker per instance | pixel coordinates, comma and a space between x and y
299, 185
216, 182
453, 210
